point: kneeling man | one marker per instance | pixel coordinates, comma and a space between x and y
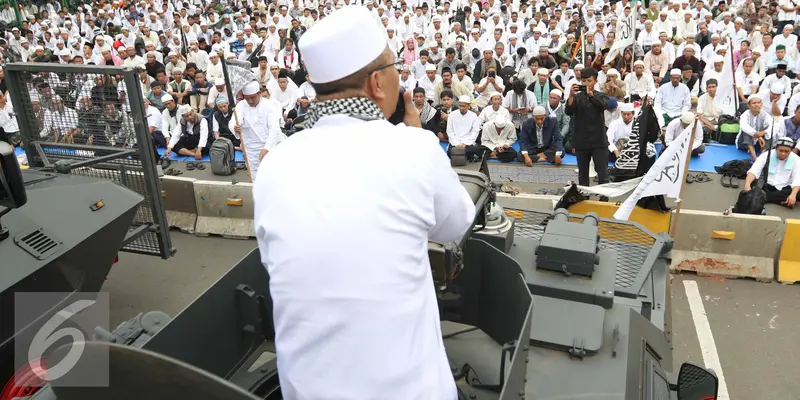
497, 137
783, 179
540, 139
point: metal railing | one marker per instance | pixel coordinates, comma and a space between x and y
94, 117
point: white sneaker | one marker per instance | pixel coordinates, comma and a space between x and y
592, 172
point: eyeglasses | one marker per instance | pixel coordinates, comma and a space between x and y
398, 62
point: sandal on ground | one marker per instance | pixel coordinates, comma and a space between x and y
702, 178
734, 181
200, 166
725, 181
190, 166
690, 178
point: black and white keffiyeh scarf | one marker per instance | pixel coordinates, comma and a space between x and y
356, 107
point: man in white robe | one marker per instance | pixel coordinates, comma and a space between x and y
257, 125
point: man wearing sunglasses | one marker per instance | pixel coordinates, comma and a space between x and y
355, 310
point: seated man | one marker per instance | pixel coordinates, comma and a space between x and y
676, 127
190, 138
673, 98
540, 139
754, 128
494, 110
445, 107
497, 137
220, 121
619, 130
783, 179
426, 112
463, 128
773, 100
707, 111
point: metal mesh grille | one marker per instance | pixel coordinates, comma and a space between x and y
78, 108
631, 243
83, 113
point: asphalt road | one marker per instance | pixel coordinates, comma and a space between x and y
753, 324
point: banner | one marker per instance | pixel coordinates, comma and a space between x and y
664, 177
725, 100
625, 34
612, 189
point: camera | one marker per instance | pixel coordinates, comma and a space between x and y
582, 88
492, 74
400, 110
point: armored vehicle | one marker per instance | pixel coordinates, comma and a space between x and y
537, 305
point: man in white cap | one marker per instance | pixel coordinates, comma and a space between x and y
498, 135
677, 126
755, 126
640, 84
463, 128
783, 179
257, 125
774, 100
673, 98
619, 130
540, 139
334, 311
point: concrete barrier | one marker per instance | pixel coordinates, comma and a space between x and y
789, 259
529, 201
179, 202
731, 246
224, 209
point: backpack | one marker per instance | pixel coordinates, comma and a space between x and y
728, 129
222, 156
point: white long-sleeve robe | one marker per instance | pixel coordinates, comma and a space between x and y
261, 130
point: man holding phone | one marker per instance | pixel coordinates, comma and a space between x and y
589, 139
334, 308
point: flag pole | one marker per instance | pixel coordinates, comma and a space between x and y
232, 103
674, 228
733, 79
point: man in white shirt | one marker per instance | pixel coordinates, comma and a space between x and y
640, 84
190, 138
619, 131
707, 111
755, 128
783, 175
673, 98
463, 128
498, 136
429, 81
677, 126
333, 294
407, 80
747, 80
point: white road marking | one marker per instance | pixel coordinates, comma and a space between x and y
704, 336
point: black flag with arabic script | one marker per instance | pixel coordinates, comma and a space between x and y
577, 51
238, 75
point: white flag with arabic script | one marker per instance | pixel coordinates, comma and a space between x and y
664, 177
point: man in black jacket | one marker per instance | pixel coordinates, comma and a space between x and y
540, 139
586, 107
484, 64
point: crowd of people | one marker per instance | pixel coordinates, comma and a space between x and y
484, 75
